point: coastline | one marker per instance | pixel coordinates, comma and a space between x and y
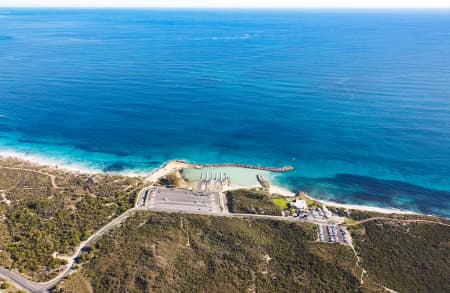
367, 208
60, 164
176, 165
287, 193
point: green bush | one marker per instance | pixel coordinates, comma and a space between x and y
252, 201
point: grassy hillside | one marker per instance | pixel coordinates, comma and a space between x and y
158, 252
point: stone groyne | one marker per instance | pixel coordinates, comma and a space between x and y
264, 183
237, 165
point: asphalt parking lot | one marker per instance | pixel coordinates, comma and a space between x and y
184, 200
333, 233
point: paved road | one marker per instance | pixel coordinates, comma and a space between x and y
21, 282
35, 287
229, 215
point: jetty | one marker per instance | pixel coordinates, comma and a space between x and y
212, 183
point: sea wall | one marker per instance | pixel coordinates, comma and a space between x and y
237, 165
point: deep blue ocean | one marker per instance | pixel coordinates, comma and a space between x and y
357, 101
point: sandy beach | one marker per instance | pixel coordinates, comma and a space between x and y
285, 192
177, 165
167, 168
364, 208
52, 163
281, 190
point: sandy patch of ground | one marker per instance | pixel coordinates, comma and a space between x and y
167, 168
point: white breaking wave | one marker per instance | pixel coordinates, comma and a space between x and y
65, 164
239, 37
53, 162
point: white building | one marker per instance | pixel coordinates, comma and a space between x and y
327, 212
298, 204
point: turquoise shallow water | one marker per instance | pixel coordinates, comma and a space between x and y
358, 102
238, 176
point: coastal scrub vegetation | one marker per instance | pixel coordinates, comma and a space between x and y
45, 212
41, 217
252, 201
170, 180
162, 252
405, 257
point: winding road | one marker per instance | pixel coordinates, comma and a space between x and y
39, 287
